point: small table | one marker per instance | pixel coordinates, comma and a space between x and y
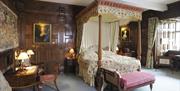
28, 77
163, 61
70, 65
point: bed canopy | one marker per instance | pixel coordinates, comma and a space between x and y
108, 11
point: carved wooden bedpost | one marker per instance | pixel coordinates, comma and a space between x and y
99, 43
139, 41
99, 79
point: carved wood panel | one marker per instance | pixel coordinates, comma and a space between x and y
61, 17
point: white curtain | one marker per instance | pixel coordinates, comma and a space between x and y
110, 34
114, 35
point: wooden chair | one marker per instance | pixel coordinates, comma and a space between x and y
49, 76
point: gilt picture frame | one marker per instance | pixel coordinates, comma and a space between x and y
42, 33
125, 33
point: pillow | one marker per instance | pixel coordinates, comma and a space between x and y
82, 50
90, 48
106, 48
93, 48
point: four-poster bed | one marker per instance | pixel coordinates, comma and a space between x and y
105, 12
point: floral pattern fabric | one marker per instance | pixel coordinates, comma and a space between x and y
88, 64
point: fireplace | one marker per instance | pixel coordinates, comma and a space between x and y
6, 59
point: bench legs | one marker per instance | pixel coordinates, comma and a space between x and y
103, 85
151, 86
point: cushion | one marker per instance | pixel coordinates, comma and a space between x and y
47, 78
134, 79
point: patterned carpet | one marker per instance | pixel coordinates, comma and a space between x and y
166, 80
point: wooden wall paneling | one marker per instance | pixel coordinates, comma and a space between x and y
63, 29
132, 42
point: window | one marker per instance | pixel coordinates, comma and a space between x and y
178, 35
168, 37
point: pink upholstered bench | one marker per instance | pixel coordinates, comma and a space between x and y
128, 81
136, 79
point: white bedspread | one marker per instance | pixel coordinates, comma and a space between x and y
88, 64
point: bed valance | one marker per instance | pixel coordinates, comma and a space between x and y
110, 9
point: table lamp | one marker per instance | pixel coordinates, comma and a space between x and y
70, 54
23, 56
30, 52
71, 51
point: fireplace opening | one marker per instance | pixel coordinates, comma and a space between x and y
6, 59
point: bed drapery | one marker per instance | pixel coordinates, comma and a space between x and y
107, 11
110, 35
110, 11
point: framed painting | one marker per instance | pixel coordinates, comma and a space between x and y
125, 33
42, 33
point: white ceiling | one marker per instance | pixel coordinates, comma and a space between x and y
159, 5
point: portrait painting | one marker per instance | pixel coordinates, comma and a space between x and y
124, 33
42, 33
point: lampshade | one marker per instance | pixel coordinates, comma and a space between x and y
71, 51
30, 52
23, 55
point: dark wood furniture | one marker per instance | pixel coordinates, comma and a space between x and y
168, 59
175, 62
163, 61
70, 65
23, 78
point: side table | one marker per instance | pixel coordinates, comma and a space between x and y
70, 65
23, 79
163, 61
